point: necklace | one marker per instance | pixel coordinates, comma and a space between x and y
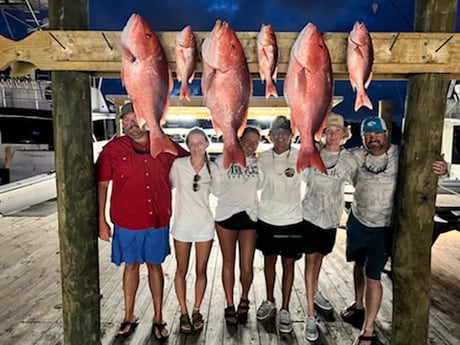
375, 169
332, 166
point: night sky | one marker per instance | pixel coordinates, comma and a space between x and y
248, 15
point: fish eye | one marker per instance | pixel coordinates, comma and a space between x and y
148, 35
233, 46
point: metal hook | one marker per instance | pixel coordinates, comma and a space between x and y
107, 41
444, 43
54, 37
394, 41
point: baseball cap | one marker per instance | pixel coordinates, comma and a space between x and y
281, 122
373, 124
336, 120
126, 108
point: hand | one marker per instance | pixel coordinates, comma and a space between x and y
104, 231
439, 166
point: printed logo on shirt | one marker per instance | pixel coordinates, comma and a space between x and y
235, 171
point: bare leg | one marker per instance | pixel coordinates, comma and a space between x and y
227, 240
130, 285
358, 279
247, 247
270, 275
202, 249
373, 301
312, 269
182, 250
288, 280
156, 284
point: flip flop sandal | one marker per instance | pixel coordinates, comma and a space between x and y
159, 331
243, 308
184, 324
363, 337
197, 321
353, 315
122, 333
230, 316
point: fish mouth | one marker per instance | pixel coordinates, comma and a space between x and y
220, 28
131, 24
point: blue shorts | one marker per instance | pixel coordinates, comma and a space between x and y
139, 246
369, 247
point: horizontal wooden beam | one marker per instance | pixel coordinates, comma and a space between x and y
396, 55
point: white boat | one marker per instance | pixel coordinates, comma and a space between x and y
26, 141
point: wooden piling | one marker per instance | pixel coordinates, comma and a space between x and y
76, 188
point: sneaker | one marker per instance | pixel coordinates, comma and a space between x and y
321, 301
266, 310
285, 322
311, 329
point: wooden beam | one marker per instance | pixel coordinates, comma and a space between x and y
417, 185
76, 189
396, 55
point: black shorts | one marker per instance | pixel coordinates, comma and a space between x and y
318, 240
286, 240
239, 221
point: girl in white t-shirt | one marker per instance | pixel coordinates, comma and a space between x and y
236, 220
194, 178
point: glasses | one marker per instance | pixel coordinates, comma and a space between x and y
375, 170
196, 186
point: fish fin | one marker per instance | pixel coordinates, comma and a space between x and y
310, 159
234, 154
216, 127
170, 81
184, 92
320, 130
362, 99
161, 143
368, 81
275, 73
270, 90
191, 77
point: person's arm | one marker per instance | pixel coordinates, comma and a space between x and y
104, 227
440, 166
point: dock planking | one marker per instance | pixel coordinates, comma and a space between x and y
31, 309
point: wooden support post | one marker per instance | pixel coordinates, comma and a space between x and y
386, 113
415, 201
76, 190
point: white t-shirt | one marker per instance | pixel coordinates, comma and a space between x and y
192, 217
375, 186
280, 198
323, 200
237, 190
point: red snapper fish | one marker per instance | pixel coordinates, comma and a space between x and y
186, 59
226, 86
308, 88
148, 80
268, 58
360, 57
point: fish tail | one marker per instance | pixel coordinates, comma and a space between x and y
270, 90
234, 154
310, 159
161, 143
184, 92
362, 99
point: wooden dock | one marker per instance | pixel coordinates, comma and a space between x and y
31, 310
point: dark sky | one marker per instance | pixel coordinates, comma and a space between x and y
248, 15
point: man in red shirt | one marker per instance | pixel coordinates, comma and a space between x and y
140, 209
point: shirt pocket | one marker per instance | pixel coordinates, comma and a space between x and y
124, 166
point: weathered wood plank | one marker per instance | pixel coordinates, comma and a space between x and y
34, 314
96, 51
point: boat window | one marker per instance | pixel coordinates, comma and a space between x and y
104, 129
456, 146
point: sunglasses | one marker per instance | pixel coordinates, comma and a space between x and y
196, 186
375, 170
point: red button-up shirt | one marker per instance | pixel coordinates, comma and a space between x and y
141, 191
